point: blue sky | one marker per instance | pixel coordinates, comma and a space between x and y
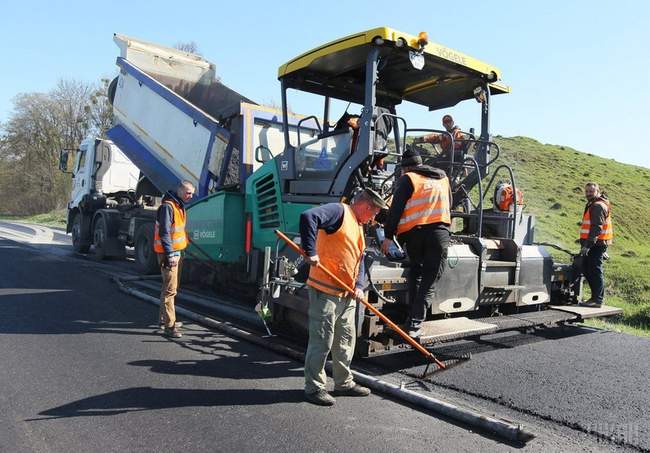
579, 71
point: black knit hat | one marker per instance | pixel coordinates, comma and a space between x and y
411, 158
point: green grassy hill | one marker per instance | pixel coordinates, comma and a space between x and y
553, 177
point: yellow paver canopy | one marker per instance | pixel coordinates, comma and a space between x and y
337, 69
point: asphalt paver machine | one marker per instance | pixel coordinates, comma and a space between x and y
496, 278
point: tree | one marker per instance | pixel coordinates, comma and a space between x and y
187, 46
99, 110
40, 125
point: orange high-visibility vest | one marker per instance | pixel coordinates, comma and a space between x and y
177, 233
428, 204
445, 141
340, 252
606, 230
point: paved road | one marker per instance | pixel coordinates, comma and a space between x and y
82, 370
592, 380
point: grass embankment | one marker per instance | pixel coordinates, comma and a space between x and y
56, 218
553, 178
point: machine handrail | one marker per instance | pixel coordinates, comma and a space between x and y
441, 132
469, 161
514, 193
313, 117
397, 153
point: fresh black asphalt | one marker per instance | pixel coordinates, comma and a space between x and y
83, 370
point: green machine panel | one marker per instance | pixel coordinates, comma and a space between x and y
268, 212
217, 224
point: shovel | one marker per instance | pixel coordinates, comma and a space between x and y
430, 357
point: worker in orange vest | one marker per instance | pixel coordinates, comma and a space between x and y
170, 239
596, 233
445, 141
332, 235
420, 217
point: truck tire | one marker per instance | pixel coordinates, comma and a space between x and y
146, 261
78, 244
100, 232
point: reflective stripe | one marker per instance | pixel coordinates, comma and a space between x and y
606, 230
176, 233
174, 241
424, 213
417, 201
341, 253
428, 204
176, 229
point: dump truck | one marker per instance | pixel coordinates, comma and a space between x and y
173, 121
257, 169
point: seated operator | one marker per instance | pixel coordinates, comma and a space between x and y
383, 128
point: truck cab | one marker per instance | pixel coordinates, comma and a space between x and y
102, 176
100, 167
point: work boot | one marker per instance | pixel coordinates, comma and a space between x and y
589, 303
320, 398
355, 390
172, 332
161, 326
415, 331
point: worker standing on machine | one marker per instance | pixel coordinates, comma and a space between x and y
420, 215
332, 235
445, 141
170, 239
596, 234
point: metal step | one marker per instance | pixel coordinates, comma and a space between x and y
449, 329
530, 319
453, 328
504, 287
495, 263
589, 312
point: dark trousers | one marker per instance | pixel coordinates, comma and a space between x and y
593, 271
427, 249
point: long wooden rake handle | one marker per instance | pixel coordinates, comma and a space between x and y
369, 306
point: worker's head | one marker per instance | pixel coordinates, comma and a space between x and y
592, 191
448, 123
185, 191
366, 205
410, 160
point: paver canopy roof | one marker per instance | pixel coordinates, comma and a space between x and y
337, 69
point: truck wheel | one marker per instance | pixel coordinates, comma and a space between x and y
99, 238
146, 261
78, 245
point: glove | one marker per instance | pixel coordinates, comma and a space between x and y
584, 250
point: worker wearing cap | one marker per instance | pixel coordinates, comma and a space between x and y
420, 217
444, 139
332, 235
596, 234
170, 239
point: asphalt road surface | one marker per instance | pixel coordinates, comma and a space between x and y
83, 370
